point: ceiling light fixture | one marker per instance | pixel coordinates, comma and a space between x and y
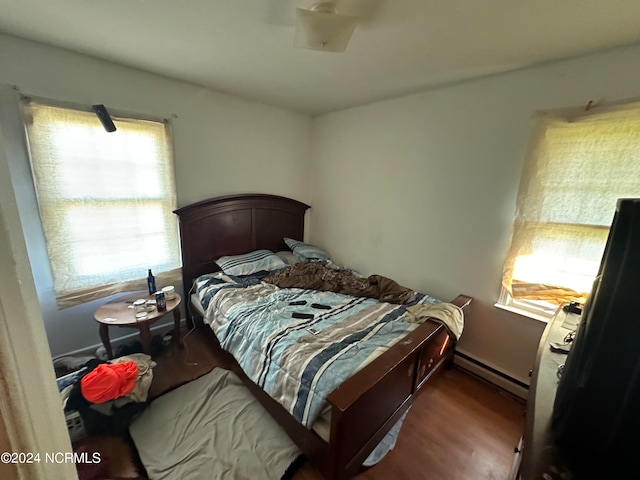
322, 28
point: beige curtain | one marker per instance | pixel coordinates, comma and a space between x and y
578, 164
105, 200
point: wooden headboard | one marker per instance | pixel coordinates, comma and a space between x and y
232, 225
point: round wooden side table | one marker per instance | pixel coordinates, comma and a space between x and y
120, 313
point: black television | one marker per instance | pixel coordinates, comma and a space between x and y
596, 412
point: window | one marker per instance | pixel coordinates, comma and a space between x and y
578, 164
105, 200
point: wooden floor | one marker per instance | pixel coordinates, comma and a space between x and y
460, 428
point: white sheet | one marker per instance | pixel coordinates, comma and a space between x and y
211, 428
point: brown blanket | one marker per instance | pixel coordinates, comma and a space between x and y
314, 276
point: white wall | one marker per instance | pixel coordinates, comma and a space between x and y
223, 144
419, 188
422, 188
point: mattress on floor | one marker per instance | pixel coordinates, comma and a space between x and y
211, 428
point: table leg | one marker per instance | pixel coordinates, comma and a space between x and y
104, 336
176, 327
145, 338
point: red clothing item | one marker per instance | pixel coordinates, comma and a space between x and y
109, 381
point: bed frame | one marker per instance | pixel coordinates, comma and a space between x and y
366, 405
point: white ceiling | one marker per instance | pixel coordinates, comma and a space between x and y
245, 47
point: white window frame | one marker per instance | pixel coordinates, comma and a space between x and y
172, 275
537, 309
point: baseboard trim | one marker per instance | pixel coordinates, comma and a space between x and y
116, 342
491, 374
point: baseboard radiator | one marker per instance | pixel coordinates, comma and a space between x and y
491, 374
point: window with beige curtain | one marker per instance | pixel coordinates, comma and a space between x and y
105, 200
578, 164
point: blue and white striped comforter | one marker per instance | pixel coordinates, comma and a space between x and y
299, 361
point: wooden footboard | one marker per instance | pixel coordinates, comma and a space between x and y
367, 405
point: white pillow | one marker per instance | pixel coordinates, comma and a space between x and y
289, 258
306, 251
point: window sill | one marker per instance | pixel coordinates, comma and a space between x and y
525, 313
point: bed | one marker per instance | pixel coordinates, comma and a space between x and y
364, 407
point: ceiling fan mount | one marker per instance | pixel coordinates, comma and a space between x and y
321, 27
326, 7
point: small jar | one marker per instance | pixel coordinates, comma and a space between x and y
140, 306
169, 292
